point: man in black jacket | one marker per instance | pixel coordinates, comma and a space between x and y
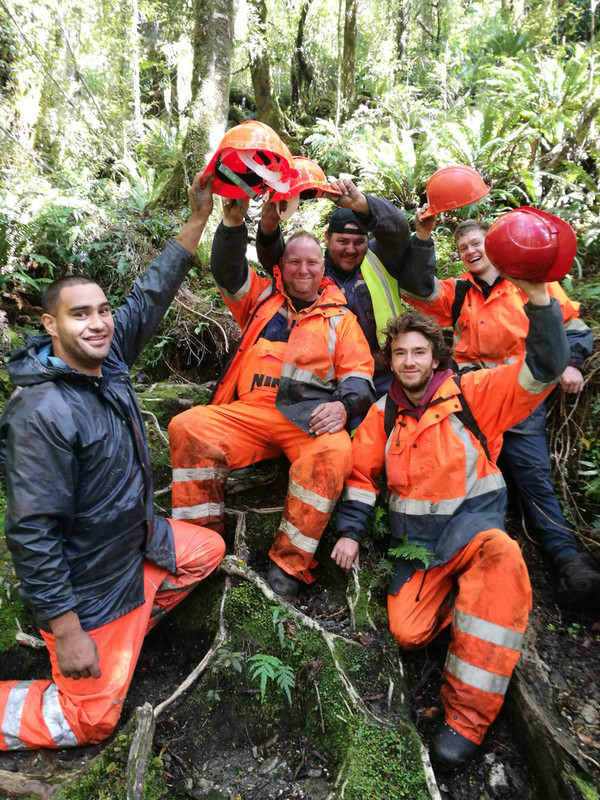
96, 566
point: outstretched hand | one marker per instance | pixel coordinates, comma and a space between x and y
233, 216
424, 227
269, 217
536, 291
350, 196
201, 195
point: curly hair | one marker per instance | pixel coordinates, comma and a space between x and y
415, 321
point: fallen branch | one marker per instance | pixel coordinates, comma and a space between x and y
154, 420
146, 717
210, 319
15, 784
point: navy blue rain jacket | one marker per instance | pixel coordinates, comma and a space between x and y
80, 519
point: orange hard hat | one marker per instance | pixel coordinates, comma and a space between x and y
250, 157
531, 244
310, 182
452, 187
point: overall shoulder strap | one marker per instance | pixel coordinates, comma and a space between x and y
465, 415
389, 415
461, 287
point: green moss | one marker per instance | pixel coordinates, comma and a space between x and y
587, 792
385, 763
105, 778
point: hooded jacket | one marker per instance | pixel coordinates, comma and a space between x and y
80, 518
326, 358
490, 328
443, 487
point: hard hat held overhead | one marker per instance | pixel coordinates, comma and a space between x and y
310, 182
452, 187
531, 244
250, 157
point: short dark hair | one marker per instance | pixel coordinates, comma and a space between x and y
469, 225
51, 294
300, 234
426, 326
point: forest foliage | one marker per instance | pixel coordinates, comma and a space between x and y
101, 114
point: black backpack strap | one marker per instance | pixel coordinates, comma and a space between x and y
465, 415
389, 415
461, 287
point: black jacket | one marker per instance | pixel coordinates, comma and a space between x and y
80, 519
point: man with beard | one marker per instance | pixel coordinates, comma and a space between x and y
436, 436
486, 312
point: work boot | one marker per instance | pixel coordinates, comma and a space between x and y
578, 583
282, 583
450, 750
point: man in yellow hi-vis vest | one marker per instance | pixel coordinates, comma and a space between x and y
367, 270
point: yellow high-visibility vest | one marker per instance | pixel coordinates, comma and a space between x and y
383, 290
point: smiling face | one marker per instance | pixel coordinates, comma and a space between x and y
413, 363
302, 268
81, 327
346, 250
471, 249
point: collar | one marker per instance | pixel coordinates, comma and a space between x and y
401, 400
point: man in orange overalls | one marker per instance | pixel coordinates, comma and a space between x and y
303, 368
438, 448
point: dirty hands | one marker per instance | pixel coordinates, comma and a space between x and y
233, 216
423, 227
350, 198
201, 196
269, 217
76, 651
328, 418
571, 381
345, 553
201, 203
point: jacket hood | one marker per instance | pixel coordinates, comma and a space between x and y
28, 366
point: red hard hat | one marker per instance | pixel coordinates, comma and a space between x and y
250, 157
452, 187
531, 244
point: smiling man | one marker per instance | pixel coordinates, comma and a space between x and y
490, 326
96, 565
300, 371
369, 250
434, 436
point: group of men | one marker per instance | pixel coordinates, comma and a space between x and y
323, 346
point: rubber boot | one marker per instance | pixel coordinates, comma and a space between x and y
282, 583
450, 750
578, 584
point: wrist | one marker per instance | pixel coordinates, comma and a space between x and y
65, 625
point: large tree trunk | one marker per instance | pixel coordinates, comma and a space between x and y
349, 60
403, 9
213, 50
267, 104
302, 73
